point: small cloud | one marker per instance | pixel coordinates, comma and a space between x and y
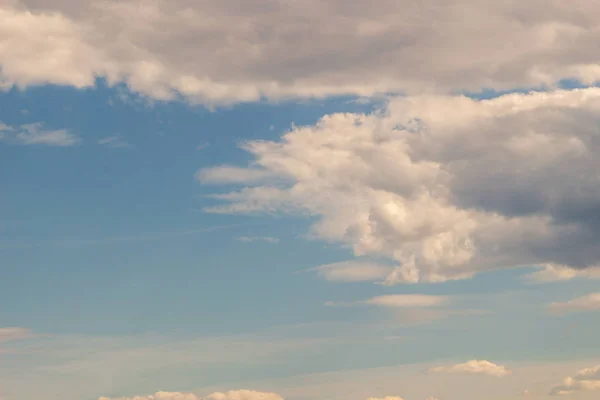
560, 273
113, 141
203, 146
587, 379
474, 367
35, 134
588, 303
352, 271
251, 239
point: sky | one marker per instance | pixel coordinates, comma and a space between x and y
299, 200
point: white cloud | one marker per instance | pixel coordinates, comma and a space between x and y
591, 302
277, 50
585, 380
352, 271
250, 239
231, 395
445, 186
477, 367
113, 141
35, 134
560, 273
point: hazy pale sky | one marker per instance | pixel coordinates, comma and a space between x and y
299, 200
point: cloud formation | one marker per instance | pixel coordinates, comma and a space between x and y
445, 186
585, 380
590, 302
476, 367
278, 50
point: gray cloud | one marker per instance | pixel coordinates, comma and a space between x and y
229, 51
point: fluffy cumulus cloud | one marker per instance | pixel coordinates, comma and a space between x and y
477, 367
231, 395
442, 186
281, 49
590, 302
585, 380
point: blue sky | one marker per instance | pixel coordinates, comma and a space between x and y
226, 201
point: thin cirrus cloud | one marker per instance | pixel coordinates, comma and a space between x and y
231, 395
277, 50
398, 301
474, 367
590, 302
437, 184
113, 141
587, 379
252, 239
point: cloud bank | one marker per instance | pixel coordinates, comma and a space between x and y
585, 380
296, 49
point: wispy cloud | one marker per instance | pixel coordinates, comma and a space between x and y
352, 271
398, 301
143, 236
36, 134
113, 141
591, 302
475, 367
251, 239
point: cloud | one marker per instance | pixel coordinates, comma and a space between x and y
386, 398
250, 239
159, 396
13, 333
232, 175
585, 380
269, 49
476, 367
231, 395
35, 134
352, 271
559, 273
399, 301
444, 186
591, 302
113, 141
